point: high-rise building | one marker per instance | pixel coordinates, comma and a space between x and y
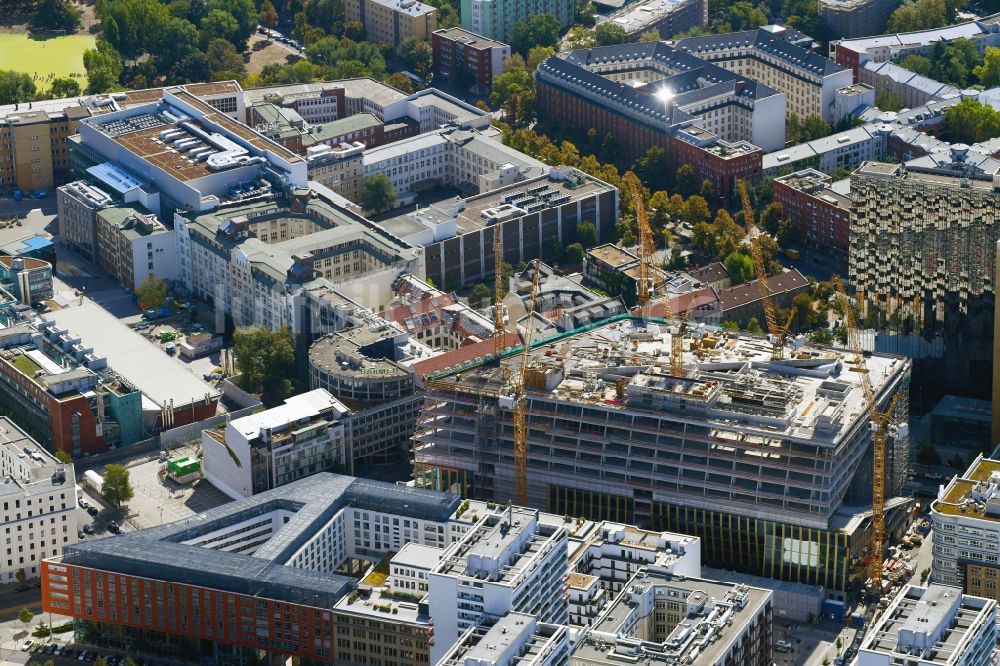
393, 21
39, 516
856, 18
922, 250
822, 213
495, 19
755, 457
465, 58
966, 519
931, 625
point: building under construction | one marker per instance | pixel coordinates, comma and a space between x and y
768, 462
922, 254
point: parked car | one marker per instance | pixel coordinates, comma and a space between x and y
114, 527
88, 528
26, 645
93, 510
83, 503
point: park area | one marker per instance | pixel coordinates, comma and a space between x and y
46, 59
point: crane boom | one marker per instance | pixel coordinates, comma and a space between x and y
499, 331
521, 405
881, 422
778, 332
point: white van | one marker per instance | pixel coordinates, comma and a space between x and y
783, 646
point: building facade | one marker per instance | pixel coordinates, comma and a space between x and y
856, 18
822, 214
667, 17
27, 278
495, 19
133, 244
393, 21
39, 515
465, 58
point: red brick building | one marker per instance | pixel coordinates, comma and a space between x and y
467, 59
823, 215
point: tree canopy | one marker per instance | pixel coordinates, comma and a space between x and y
266, 361
918, 15
379, 193
152, 292
538, 30
116, 489
739, 267
609, 33
969, 121
16, 87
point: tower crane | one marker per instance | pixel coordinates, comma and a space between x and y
882, 425
647, 248
499, 331
777, 332
515, 400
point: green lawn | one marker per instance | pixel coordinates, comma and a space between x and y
26, 365
60, 56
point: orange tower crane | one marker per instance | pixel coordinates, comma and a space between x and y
499, 331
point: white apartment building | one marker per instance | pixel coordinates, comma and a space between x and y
469, 159
268, 449
508, 561
935, 625
515, 639
966, 519
409, 568
38, 494
779, 58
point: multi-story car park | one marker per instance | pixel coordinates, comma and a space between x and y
39, 515
755, 457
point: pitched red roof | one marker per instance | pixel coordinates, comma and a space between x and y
461, 355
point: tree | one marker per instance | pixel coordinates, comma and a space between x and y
132, 26
418, 55
609, 33
16, 87
400, 82
840, 645
739, 266
788, 233
696, 210
25, 616
814, 128
244, 13
770, 217
537, 54
574, 253
586, 233
22, 577
514, 92
728, 234
177, 40
650, 36
731, 326
56, 15
481, 295
223, 60
917, 64
266, 361
538, 30
988, 72
918, 15
268, 14
104, 67
579, 37
805, 310
686, 180
355, 30
924, 575
890, 100
218, 24
379, 193
753, 326
62, 88
954, 62
152, 293
64, 457
970, 121
116, 489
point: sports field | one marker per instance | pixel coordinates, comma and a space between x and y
46, 59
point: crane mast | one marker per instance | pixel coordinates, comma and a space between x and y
499, 331
647, 248
520, 404
777, 331
881, 422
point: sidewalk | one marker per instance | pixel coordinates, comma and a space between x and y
14, 633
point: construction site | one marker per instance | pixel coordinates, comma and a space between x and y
786, 459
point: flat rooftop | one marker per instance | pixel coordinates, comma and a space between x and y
612, 255
973, 494
19, 444
469, 38
637, 16
730, 378
160, 377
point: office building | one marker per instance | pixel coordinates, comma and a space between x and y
509, 561
456, 234
677, 454
467, 59
285, 126
28, 279
664, 619
856, 18
821, 212
495, 19
39, 516
253, 454
78, 203
194, 156
393, 21
922, 253
927, 626
888, 78
781, 59
260, 577
133, 244
651, 94
50, 382
252, 258
340, 168
667, 17
515, 638
846, 150
966, 519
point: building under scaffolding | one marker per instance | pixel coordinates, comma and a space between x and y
922, 253
756, 457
